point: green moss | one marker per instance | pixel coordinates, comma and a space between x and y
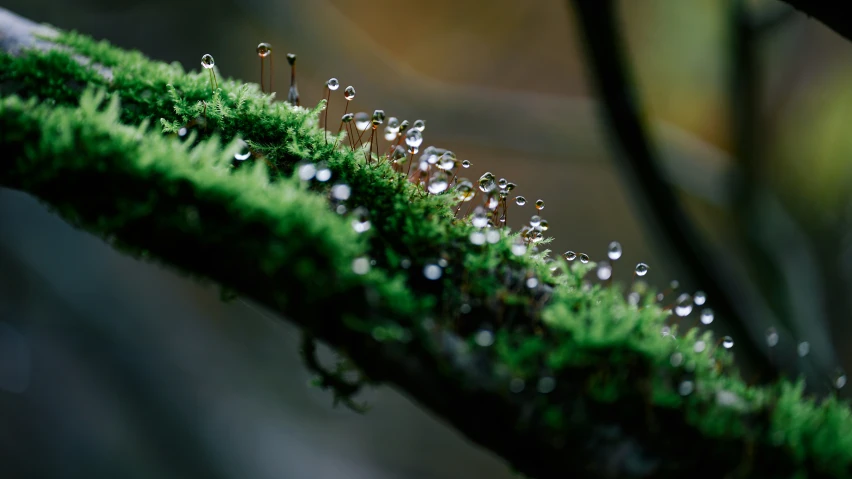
258, 230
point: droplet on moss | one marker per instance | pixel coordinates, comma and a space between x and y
699, 298
432, 271
520, 200
614, 251
683, 305
263, 50
584, 258
539, 204
307, 171
243, 152
349, 93
727, 342
604, 271
362, 120
207, 61
361, 265
641, 269
341, 192
332, 84
772, 337
419, 125
706, 316
569, 255
803, 349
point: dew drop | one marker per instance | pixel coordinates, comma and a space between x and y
727, 342
516, 385
182, 132
665, 331
604, 271
532, 283
341, 192
535, 221
361, 219
438, 183
614, 250
685, 388
390, 134
419, 125
839, 379
539, 204
520, 200
464, 190
633, 299
393, 124
378, 117
263, 50
772, 337
803, 349
641, 269
544, 226
323, 174
361, 265
569, 255
519, 248
413, 138
465, 164
699, 346
362, 120
332, 84
546, 385
243, 153
699, 298
479, 219
307, 171
486, 183
683, 305
706, 316
347, 117
477, 238
492, 236
432, 271
349, 93
484, 338
584, 258
676, 359
405, 263
207, 61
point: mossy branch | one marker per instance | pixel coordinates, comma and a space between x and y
558, 376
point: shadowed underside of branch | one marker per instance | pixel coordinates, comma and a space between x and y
558, 376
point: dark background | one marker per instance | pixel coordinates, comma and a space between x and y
110, 367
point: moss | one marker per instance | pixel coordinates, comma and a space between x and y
259, 230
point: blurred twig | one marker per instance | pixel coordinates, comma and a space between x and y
596, 20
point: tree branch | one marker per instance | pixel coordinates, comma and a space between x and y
555, 376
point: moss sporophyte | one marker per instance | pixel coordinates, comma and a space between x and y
415, 272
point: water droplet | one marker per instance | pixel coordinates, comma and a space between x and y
243, 153
676, 359
520, 200
405, 263
432, 271
341, 209
307, 171
699, 346
477, 238
360, 219
349, 93
378, 117
584, 258
685, 388
390, 134
803, 349
546, 385
447, 161
633, 298
413, 138
465, 308
544, 226
182, 132
479, 219
539, 204
502, 183
465, 164
614, 250
516, 385
332, 84
291, 58
675, 284
347, 117
532, 283
393, 124
207, 61
362, 120
438, 183
665, 331
683, 305
569, 255
263, 50
535, 221
341, 192
604, 271
492, 236
464, 190
641, 269
772, 337
839, 379
699, 298
442, 263
486, 183
706, 316
361, 265
323, 174
484, 338
491, 201
419, 125
727, 342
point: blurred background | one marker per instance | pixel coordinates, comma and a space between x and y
110, 367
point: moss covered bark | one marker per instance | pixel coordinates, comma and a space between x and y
566, 378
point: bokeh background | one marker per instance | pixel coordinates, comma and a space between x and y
110, 367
